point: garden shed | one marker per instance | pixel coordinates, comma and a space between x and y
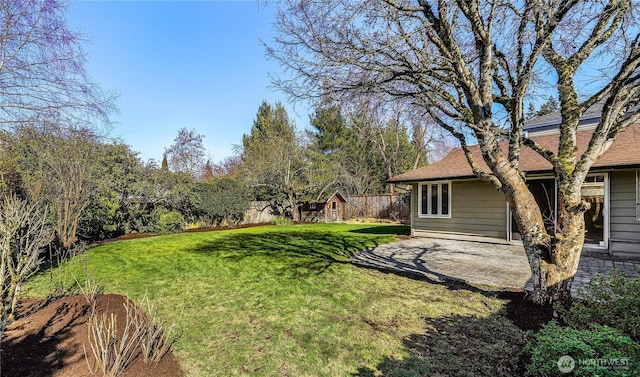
330, 210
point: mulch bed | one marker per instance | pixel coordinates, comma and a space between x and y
48, 338
136, 235
524, 313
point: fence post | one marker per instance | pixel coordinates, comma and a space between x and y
366, 205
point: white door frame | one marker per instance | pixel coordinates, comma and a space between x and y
606, 218
605, 213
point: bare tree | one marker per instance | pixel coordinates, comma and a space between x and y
24, 233
471, 64
42, 68
56, 164
69, 159
386, 126
186, 154
229, 167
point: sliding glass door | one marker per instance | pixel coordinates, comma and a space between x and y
594, 191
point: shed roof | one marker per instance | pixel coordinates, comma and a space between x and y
624, 152
337, 194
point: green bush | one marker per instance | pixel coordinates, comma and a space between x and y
221, 201
597, 351
102, 218
609, 300
281, 220
170, 222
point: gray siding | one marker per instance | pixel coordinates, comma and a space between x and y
625, 228
477, 209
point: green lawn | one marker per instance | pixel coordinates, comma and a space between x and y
286, 301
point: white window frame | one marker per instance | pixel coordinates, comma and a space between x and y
430, 213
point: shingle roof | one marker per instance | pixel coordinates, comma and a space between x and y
551, 121
624, 152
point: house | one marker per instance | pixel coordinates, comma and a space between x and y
330, 210
448, 201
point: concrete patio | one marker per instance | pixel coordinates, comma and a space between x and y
483, 265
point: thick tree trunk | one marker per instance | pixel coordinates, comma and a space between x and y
553, 276
553, 254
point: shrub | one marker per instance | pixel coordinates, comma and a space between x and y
281, 220
221, 200
102, 218
25, 232
113, 354
114, 351
597, 351
609, 300
170, 222
158, 336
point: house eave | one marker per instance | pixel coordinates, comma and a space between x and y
410, 181
431, 179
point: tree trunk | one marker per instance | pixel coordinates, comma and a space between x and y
554, 257
293, 203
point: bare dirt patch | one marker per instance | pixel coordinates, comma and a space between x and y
48, 339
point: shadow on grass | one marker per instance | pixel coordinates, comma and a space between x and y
300, 253
292, 252
399, 230
460, 345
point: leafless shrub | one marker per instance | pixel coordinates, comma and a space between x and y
142, 332
114, 351
91, 291
159, 336
24, 233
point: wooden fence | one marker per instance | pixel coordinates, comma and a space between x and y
379, 206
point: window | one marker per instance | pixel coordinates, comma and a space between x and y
638, 195
312, 205
434, 199
334, 205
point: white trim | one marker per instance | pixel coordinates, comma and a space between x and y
411, 208
509, 222
429, 214
606, 223
606, 219
554, 194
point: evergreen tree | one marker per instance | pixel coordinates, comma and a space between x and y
273, 161
165, 164
548, 107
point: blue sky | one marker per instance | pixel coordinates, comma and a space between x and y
193, 64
